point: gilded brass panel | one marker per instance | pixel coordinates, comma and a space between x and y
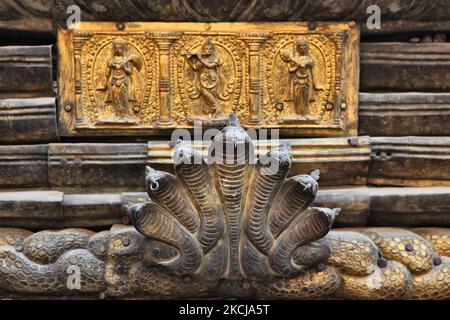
148, 78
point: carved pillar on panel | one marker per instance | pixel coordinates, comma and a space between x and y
79, 41
164, 40
255, 42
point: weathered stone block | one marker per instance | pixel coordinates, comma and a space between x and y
410, 207
31, 209
395, 66
404, 114
95, 166
26, 72
23, 166
410, 161
28, 120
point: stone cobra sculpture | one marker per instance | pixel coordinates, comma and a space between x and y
229, 228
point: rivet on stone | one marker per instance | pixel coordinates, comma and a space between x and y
382, 263
437, 261
120, 26
126, 242
353, 141
187, 279
321, 266
125, 219
409, 247
279, 106
246, 285
312, 25
119, 269
68, 107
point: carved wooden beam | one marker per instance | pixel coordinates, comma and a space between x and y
392, 66
410, 161
24, 15
404, 114
26, 72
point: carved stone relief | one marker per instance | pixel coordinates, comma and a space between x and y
117, 82
229, 228
303, 79
138, 79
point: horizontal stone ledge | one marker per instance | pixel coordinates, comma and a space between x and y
92, 210
120, 167
97, 166
410, 161
28, 120
409, 28
26, 72
409, 207
349, 154
395, 66
354, 202
32, 209
23, 166
404, 114
361, 206
53, 209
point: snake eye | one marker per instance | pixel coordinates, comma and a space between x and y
154, 185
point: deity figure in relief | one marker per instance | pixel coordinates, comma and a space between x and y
118, 81
209, 83
301, 85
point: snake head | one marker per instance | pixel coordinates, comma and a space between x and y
152, 178
315, 174
185, 155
